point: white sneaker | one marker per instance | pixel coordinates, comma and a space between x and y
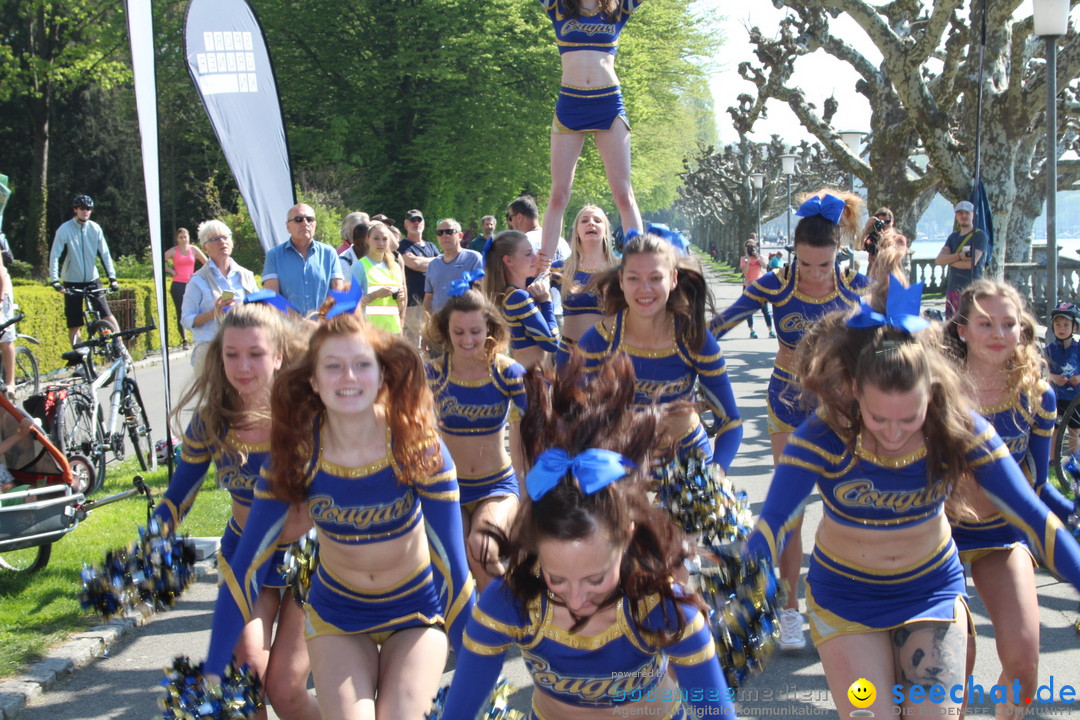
791, 632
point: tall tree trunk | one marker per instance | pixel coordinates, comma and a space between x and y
38, 240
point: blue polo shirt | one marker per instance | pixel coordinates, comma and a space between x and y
304, 281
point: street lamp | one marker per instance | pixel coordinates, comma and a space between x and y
1051, 22
787, 166
758, 179
853, 139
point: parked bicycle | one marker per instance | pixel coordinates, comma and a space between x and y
81, 427
27, 376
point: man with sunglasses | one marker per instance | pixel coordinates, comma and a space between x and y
417, 256
302, 270
81, 242
448, 267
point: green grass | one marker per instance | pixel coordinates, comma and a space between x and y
727, 273
39, 610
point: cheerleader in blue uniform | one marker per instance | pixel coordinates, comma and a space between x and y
231, 428
479, 394
508, 265
655, 304
993, 339
354, 445
893, 438
807, 290
591, 253
590, 101
588, 596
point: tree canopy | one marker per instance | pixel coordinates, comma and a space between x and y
923, 97
444, 105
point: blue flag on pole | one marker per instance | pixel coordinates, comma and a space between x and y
984, 219
230, 66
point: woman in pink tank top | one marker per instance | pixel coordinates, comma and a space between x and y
180, 264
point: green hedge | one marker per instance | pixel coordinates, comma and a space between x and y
44, 310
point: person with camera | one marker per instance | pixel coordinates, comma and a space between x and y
752, 268
964, 254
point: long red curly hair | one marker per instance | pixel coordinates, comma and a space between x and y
296, 409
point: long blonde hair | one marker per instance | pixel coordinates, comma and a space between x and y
1027, 366
210, 393
570, 268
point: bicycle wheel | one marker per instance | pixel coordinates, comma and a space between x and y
138, 426
1061, 443
27, 378
27, 559
76, 432
96, 330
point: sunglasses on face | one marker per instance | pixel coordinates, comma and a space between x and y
414, 219
303, 219
218, 238
445, 231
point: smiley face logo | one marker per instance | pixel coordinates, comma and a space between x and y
862, 693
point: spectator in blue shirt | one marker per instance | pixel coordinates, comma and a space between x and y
302, 270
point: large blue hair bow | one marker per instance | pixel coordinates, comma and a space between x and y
458, 287
487, 246
345, 301
677, 239
594, 469
271, 298
902, 310
829, 207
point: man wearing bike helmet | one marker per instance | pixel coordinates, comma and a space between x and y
81, 241
1063, 358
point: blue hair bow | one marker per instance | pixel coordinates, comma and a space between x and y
487, 246
458, 287
271, 298
345, 301
594, 470
829, 207
901, 310
677, 239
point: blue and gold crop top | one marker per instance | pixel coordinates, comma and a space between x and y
615, 667
669, 375
1027, 430
196, 453
588, 32
794, 312
477, 407
586, 300
530, 323
353, 506
862, 489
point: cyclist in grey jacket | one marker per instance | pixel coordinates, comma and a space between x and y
81, 240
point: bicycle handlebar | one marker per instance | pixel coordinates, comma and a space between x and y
7, 323
88, 291
105, 340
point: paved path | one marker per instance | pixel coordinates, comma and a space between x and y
124, 684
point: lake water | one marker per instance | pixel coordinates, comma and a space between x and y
929, 248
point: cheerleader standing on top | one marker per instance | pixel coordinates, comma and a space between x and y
590, 254
230, 428
508, 266
355, 446
655, 303
892, 440
590, 101
993, 340
588, 596
479, 394
812, 286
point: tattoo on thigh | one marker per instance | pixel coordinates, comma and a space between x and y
929, 654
